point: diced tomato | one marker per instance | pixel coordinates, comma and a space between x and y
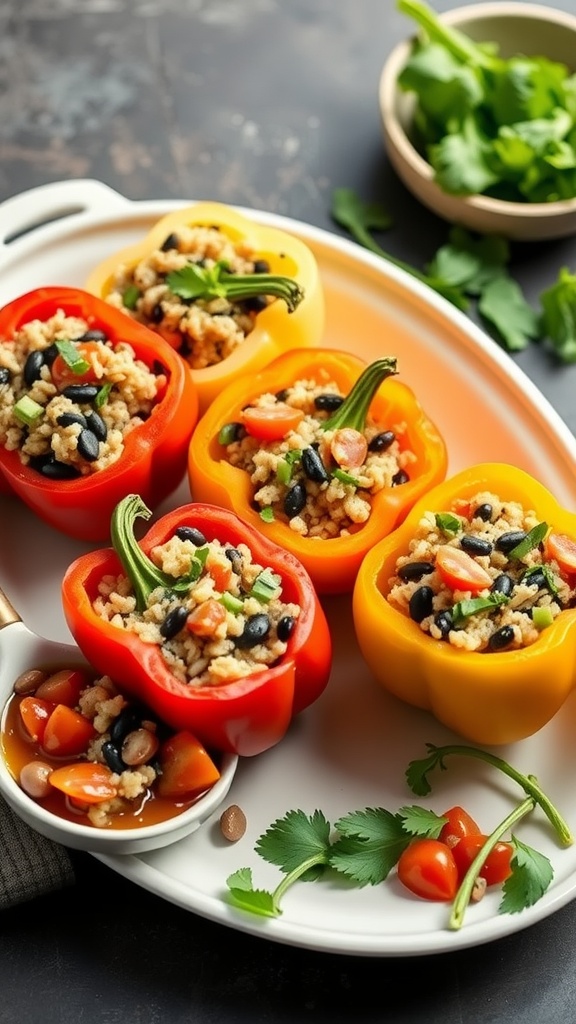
459, 571
562, 549
64, 687
271, 422
35, 713
187, 768
459, 824
205, 618
349, 447
67, 732
221, 572
496, 868
428, 869
84, 782
63, 374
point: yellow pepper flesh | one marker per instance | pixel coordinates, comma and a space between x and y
489, 699
276, 330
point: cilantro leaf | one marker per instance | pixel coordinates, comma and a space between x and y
531, 876
559, 315
421, 821
294, 839
197, 282
504, 306
372, 841
243, 895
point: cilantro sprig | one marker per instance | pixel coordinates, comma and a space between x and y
195, 281
364, 846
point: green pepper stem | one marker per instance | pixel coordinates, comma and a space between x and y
459, 44
249, 286
354, 408
142, 573
529, 784
464, 894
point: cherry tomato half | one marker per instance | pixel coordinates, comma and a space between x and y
63, 374
459, 824
496, 868
459, 571
271, 422
428, 869
563, 550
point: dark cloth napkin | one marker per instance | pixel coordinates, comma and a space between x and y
30, 864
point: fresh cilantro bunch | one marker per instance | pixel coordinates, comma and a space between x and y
500, 127
365, 845
473, 274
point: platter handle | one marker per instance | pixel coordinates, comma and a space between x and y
38, 206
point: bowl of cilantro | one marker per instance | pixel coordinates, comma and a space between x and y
479, 116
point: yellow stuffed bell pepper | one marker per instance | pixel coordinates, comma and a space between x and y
228, 293
468, 610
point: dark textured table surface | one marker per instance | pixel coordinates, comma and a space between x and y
269, 104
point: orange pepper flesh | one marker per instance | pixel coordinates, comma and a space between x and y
489, 699
332, 564
276, 330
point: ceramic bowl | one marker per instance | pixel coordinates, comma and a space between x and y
21, 649
516, 28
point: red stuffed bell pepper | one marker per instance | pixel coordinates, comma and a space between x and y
92, 406
213, 626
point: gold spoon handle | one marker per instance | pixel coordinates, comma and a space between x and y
8, 613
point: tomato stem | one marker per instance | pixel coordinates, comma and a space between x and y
462, 898
354, 409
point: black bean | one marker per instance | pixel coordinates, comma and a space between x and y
52, 469
313, 466
234, 556
443, 621
128, 719
507, 541
295, 500
501, 639
4, 375
192, 534
81, 392
328, 402
112, 757
475, 545
285, 627
412, 572
255, 631
503, 584
261, 267
483, 512
50, 354
174, 622
33, 367
255, 304
96, 424
282, 395
93, 335
170, 242
88, 445
538, 577
421, 603
157, 313
66, 419
401, 477
382, 441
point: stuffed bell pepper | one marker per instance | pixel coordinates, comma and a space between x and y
227, 293
210, 624
322, 453
469, 609
91, 407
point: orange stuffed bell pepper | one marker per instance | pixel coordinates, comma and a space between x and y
469, 609
227, 293
91, 407
321, 453
213, 626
